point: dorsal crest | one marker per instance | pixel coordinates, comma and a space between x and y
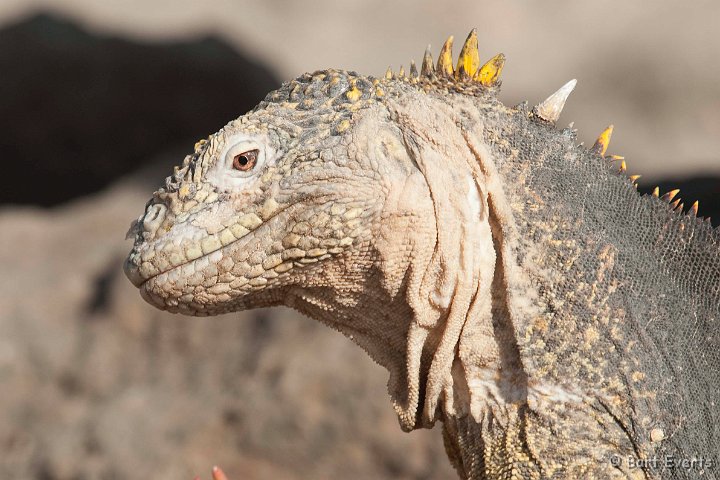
467, 70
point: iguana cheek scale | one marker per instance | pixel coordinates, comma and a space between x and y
514, 284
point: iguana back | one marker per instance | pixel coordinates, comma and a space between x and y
631, 292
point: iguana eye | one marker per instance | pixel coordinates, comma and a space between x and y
239, 164
245, 161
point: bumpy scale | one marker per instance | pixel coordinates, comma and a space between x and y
515, 285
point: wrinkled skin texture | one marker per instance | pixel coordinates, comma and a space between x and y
469, 249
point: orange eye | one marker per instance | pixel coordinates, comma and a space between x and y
244, 162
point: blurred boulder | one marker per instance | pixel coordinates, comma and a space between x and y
80, 109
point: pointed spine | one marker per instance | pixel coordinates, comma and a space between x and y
469, 59
413, 70
427, 69
552, 106
401, 72
693, 212
656, 192
670, 195
489, 74
623, 166
603, 141
445, 62
389, 73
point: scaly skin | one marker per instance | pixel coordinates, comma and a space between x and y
515, 287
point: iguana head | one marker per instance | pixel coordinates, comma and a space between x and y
300, 183
271, 196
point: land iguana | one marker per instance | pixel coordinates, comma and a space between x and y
515, 284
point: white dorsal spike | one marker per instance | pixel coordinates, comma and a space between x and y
551, 108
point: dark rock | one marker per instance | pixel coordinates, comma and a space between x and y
80, 109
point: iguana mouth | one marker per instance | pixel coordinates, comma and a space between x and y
133, 270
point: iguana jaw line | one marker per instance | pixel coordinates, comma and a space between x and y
151, 286
133, 271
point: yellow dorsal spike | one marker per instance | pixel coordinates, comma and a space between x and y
656, 192
675, 204
614, 158
427, 68
601, 144
694, 209
489, 74
388, 73
670, 195
679, 208
445, 61
634, 178
401, 72
413, 69
469, 59
623, 166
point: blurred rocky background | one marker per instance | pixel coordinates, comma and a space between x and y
99, 99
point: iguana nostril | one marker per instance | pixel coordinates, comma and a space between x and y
154, 217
